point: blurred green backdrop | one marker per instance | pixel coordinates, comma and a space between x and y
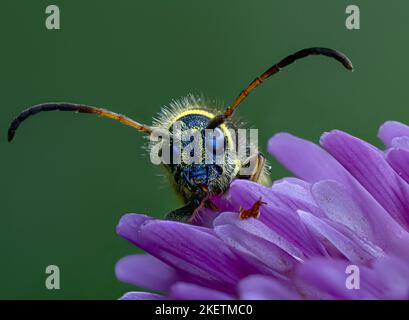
67, 179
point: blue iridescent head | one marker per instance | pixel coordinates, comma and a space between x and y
201, 159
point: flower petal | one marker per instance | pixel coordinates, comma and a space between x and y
189, 291
294, 194
258, 229
399, 161
259, 287
313, 164
355, 249
368, 166
388, 278
338, 206
400, 142
391, 278
330, 277
265, 251
146, 271
195, 251
392, 129
137, 295
296, 188
304, 158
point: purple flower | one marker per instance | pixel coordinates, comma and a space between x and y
349, 205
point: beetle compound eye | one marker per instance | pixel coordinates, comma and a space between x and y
215, 141
176, 152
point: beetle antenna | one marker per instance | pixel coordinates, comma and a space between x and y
63, 106
219, 119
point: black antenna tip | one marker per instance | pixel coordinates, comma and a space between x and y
11, 132
10, 136
346, 62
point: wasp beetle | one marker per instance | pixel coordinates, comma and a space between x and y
196, 183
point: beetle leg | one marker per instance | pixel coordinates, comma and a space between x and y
188, 211
260, 161
182, 214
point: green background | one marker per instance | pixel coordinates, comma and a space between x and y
67, 179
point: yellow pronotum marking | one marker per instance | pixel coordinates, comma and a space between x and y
207, 114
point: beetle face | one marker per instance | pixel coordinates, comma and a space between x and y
197, 176
202, 153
